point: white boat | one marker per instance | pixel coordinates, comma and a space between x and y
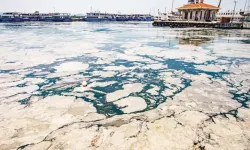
229, 16
169, 16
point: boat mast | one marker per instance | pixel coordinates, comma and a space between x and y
248, 5
235, 2
219, 3
244, 17
245, 6
172, 6
244, 14
248, 17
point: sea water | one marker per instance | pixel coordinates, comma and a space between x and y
127, 67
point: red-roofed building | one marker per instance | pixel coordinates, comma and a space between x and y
197, 10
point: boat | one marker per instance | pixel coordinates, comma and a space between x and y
30, 17
47, 18
246, 16
147, 18
168, 16
97, 17
61, 17
11, 17
122, 17
229, 16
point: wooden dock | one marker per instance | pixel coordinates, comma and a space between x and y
185, 24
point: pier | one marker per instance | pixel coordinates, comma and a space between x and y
183, 24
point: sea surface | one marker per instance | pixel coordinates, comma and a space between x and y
119, 67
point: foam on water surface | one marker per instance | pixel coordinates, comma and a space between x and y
125, 85
71, 66
123, 65
132, 104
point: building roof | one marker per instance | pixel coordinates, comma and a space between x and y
198, 6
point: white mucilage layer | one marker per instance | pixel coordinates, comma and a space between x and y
45, 65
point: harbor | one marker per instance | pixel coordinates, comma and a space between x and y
133, 75
196, 13
76, 81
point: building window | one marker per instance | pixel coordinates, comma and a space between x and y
191, 15
201, 15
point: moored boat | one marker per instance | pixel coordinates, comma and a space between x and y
11, 17
168, 16
36, 16
97, 17
229, 16
61, 17
122, 18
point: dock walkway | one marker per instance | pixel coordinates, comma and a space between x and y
183, 24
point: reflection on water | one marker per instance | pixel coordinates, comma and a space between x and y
195, 37
119, 61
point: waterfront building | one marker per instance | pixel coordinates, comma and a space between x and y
197, 10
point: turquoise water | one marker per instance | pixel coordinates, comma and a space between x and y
136, 52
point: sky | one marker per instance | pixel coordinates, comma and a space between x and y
111, 6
